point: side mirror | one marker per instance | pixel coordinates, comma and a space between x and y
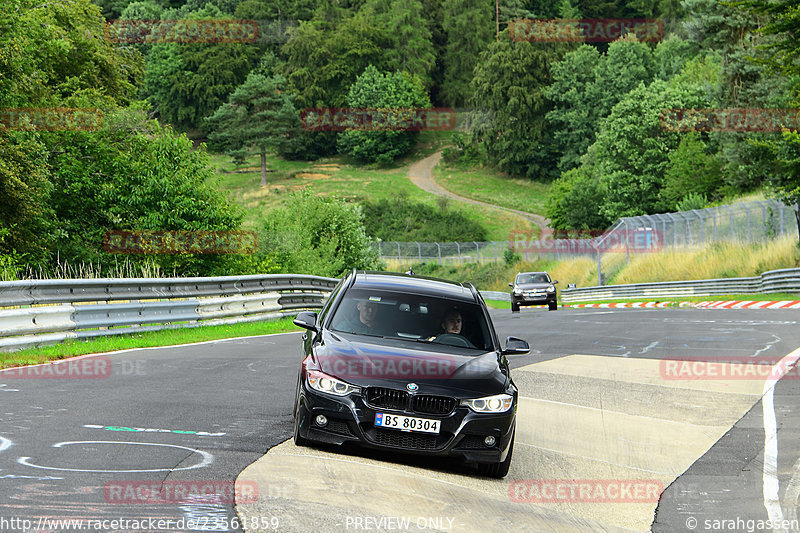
516, 346
306, 320
556, 281
510, 284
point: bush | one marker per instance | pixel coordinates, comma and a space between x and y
317, 235
401, 220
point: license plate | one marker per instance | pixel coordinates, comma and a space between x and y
407, 423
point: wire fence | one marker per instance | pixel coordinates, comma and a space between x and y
755, 221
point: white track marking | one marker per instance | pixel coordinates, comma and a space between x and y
207, 457
772, 501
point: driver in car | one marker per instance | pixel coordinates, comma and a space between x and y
451, 323
366, 320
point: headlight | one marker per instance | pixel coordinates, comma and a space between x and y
551, 288
517, 292
490, 404
324, 383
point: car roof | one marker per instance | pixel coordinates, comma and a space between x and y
538, 272
413, 284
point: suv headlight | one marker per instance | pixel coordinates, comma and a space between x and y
322, 382
517, 292
490, 404
551, 288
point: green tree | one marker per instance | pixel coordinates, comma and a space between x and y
511, 81
586, 86
411, 48
134, 174
376, 90
51, 50
469, 30
187, 82
631, 154
691, 171
257, 117
26, 218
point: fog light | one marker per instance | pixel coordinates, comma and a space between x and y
489, 441
322, 421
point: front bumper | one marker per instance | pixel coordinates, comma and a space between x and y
534, 299
351, 419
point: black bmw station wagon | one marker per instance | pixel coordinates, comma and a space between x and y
410, 364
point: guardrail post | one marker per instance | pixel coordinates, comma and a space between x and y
458, 247
439, 248
477, 252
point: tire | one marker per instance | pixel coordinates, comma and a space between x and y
497, 470
553, 306
298, 439
514, 308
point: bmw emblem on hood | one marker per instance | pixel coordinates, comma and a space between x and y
412, 387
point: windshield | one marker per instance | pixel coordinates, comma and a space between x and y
533, 277
413, 318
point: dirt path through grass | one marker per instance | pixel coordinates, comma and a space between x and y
421, 175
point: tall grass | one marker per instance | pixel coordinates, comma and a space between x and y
717, 260
63, 270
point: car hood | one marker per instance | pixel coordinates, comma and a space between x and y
434, 368
526, 286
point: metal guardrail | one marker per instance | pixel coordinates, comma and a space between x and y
785, 280
40, 312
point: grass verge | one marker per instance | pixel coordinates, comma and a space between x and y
335, 176
489, 186
172, 337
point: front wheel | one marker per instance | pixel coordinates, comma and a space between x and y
299, 440
498, 470
514, 308
553, 306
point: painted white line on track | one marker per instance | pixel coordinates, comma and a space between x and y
772, 501
207, 457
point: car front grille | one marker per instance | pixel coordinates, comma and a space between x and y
399, 439
433, 405
384, 398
